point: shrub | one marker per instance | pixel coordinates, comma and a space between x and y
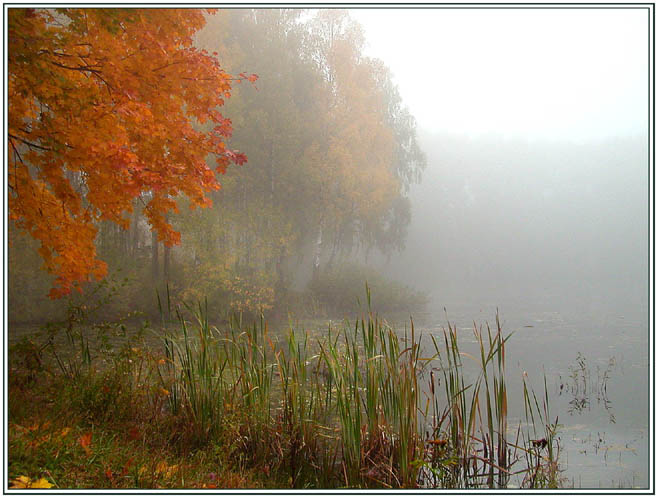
338, 290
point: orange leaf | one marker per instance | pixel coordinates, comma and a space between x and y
85, 441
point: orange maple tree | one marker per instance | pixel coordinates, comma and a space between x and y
103, 109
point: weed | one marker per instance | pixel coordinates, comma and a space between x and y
344, 410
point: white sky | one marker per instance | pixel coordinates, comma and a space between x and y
535, 73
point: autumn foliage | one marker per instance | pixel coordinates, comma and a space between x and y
104, 108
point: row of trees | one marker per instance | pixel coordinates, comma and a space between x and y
332, 151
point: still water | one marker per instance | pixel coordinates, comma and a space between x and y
596, 365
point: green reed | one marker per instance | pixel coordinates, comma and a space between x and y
346, 409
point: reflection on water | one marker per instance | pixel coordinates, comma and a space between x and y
580, 387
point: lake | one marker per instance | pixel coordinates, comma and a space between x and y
596, 363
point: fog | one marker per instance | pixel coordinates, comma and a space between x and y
498, 221
534, 122
552, 73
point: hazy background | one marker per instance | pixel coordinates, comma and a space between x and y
534, 122
552, 73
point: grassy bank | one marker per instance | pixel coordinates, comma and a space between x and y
238, 407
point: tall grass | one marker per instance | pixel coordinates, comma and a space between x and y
348, 409
470, 434
542, 456
199, 385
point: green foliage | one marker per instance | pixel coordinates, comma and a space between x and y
338, 291
108, 396
223, 288
87, 320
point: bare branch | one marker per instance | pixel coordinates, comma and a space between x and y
29, 144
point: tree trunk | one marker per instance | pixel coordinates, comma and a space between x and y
167, 261
271, 172
316, 254
155, 265
279, 268
134, 242
167, 257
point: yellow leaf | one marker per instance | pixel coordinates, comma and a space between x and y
41, 483
171, 471
20, 482
166, 470
26, 482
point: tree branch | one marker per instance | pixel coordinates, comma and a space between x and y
29, 144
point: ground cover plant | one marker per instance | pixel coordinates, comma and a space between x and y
238, 406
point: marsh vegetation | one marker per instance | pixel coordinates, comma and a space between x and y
358, 405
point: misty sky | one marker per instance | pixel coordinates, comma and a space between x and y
575, 74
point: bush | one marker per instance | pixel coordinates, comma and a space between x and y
340, 290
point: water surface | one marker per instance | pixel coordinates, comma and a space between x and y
597, 369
